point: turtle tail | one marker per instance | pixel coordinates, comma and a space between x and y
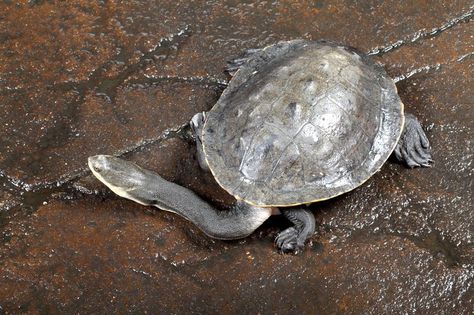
130, 181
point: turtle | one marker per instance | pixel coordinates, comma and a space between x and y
300, 121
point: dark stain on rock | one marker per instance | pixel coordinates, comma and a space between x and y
319, 4
438, 246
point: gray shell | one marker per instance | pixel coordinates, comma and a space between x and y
313, 121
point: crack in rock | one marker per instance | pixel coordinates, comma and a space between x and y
33, 196
179, 132
411, 73
10, 183
465, 56
107, 87
206, 81
103, 85
423, 34
429, 68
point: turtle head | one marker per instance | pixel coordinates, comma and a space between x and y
119, 175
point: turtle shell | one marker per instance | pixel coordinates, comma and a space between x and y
309, 123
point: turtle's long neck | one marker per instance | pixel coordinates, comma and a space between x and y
236, 223
148, 188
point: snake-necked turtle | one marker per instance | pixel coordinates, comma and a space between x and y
300, 121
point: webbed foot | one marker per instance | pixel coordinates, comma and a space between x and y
196, 124
293, 238
413, 148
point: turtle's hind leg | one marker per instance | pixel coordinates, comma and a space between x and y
197, 123
237, 63
413, 148
253, 59
293, 238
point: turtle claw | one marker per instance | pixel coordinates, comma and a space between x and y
284, 235
287, 241
429, 163
293, 238
196, 124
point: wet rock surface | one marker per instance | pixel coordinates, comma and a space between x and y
80, 78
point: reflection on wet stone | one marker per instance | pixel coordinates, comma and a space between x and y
125, 77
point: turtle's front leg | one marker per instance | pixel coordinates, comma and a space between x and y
413, 148
197, 123
293, 238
